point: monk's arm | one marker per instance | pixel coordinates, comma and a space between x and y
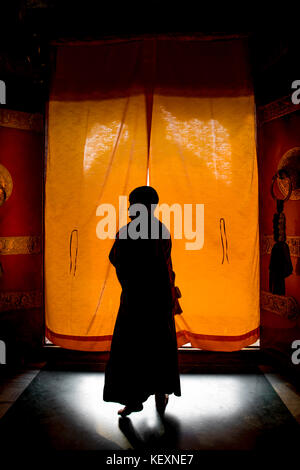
114, 252
167, 254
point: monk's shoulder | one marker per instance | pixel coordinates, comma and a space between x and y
164, 232
122, 234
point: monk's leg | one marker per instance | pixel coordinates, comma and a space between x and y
130, 408
161, 401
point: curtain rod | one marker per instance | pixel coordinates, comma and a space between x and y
113, 40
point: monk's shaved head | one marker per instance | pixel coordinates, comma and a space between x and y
144, 195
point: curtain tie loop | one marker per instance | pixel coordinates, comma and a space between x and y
224, 237
71, 240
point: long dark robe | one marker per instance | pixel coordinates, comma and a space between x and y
144, 357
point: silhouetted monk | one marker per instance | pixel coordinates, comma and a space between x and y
143, 358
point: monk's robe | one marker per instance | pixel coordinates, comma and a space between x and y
144, 356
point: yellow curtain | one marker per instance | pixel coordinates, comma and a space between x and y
97, 151
202, 151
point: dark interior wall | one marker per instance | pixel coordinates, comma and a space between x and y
275, 67
21, 315
276, 137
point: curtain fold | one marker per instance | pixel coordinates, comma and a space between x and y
187, 107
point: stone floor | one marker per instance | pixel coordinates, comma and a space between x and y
221, 409
13, 383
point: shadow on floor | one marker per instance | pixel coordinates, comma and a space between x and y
167, 439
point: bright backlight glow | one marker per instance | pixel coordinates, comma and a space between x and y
209, 141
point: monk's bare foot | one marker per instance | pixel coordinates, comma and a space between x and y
161, 401
129, 409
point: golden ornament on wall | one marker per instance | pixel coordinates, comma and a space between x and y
290, 164
6, 184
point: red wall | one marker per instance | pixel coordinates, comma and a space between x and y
275, 138
21, 152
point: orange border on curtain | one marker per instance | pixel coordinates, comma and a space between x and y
206, 342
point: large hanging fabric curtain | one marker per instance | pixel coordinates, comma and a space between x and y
185, 109
203, 152
97, 151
